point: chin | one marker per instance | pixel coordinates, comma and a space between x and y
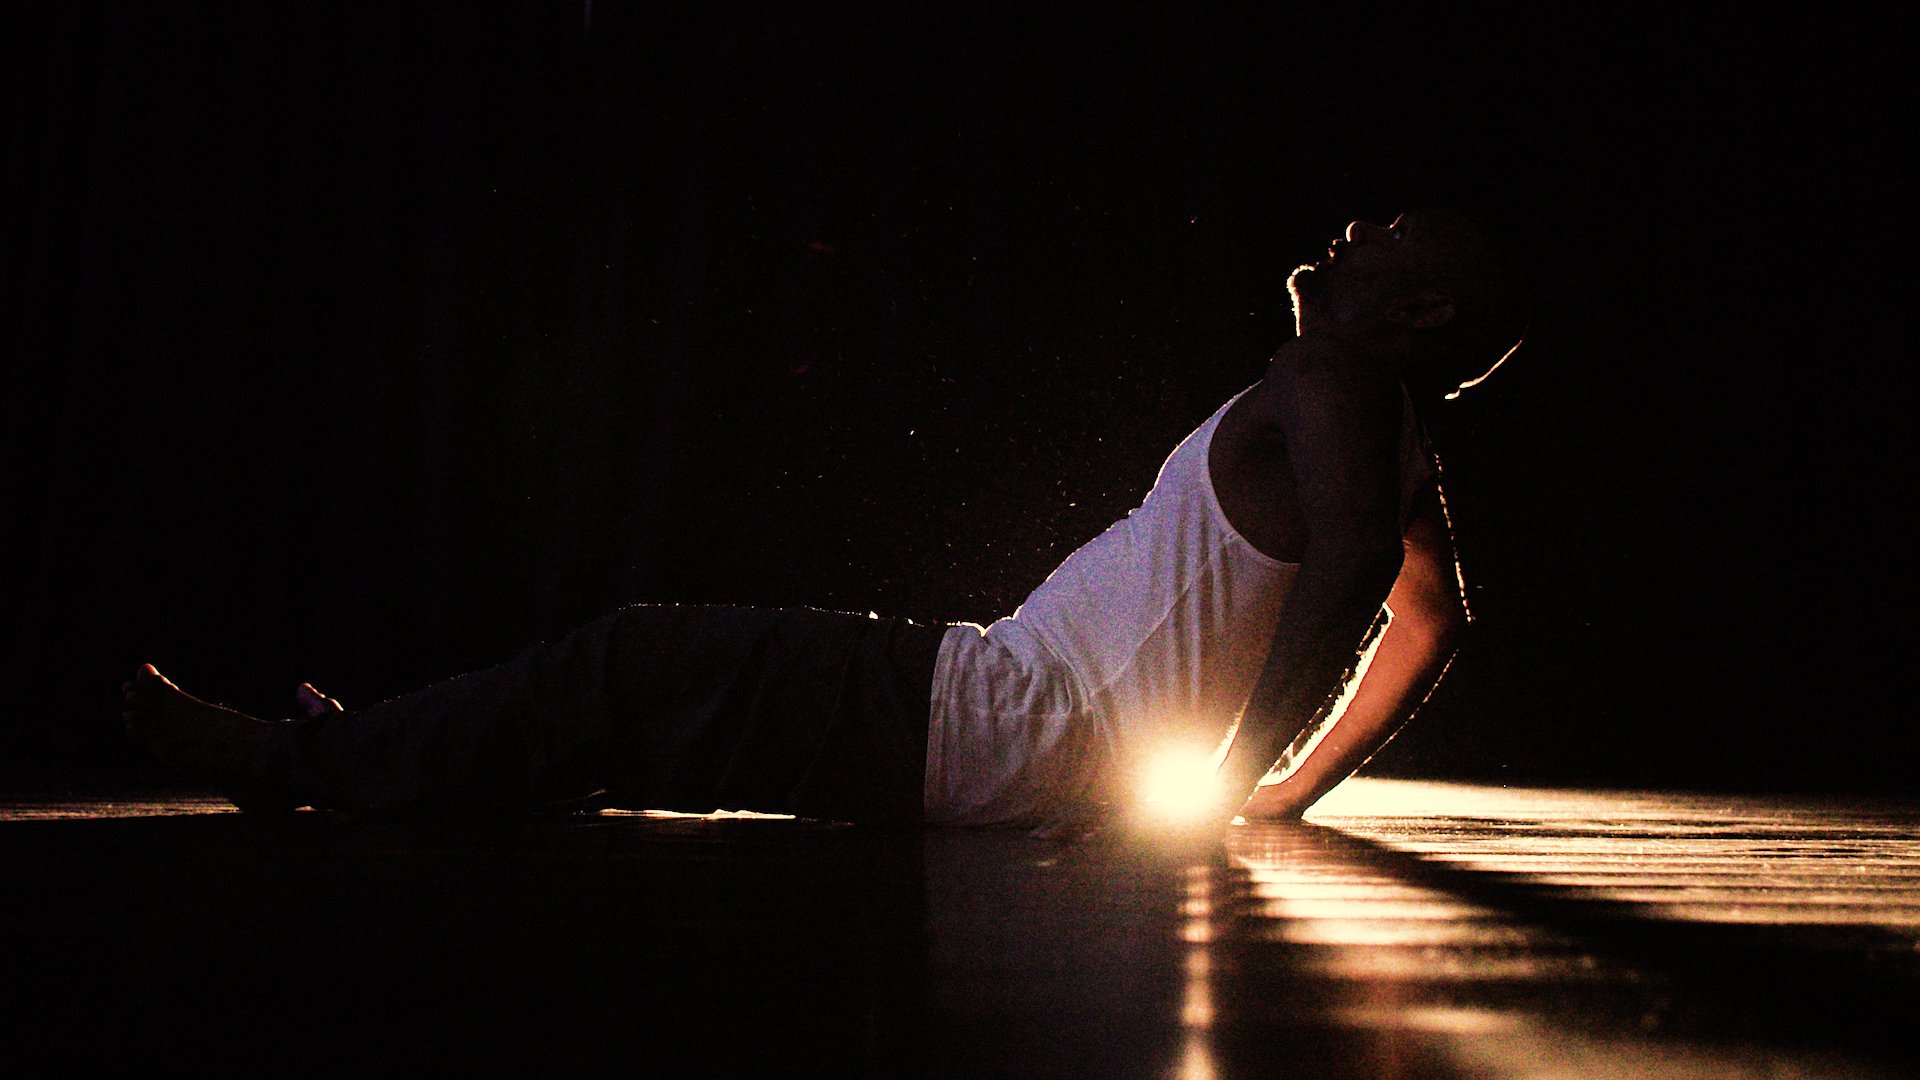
1299, 284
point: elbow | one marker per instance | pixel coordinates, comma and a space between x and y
1436, 628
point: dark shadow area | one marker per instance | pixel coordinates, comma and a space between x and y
525, 947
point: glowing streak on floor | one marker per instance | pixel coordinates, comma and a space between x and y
1196, 1004
1444, 968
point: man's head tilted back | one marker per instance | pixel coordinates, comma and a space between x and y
1433, 293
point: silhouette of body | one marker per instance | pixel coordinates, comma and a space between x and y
1300, 523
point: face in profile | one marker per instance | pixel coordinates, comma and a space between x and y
1376, 276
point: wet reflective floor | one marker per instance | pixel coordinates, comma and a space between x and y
1407, 929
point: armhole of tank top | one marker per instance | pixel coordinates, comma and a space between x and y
1214, 508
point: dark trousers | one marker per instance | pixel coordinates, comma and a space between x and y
798, 711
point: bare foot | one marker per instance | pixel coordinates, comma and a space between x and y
314, 703
228, 749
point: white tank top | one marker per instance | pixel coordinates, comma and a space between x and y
1151, 635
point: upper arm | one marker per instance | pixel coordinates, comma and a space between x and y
1427, 591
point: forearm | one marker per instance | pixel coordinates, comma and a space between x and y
1332, 615
1406, 664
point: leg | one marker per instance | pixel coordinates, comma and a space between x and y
245, 757
695, 708
816, 713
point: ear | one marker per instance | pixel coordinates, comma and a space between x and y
1423, 311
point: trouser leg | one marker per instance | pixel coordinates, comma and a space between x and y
510, 735
816, 713
695, 708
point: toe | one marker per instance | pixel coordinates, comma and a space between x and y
315, 703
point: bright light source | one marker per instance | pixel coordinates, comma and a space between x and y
1178, 783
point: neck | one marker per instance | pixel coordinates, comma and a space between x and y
1333, 348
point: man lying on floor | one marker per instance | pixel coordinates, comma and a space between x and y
1219, 620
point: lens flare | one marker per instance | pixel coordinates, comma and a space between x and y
1179, 783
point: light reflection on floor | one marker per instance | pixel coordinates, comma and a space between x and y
1506, 930
106, 809
1708, 859
1406, 930
1196, 1001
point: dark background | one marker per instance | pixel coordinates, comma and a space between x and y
363, 346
